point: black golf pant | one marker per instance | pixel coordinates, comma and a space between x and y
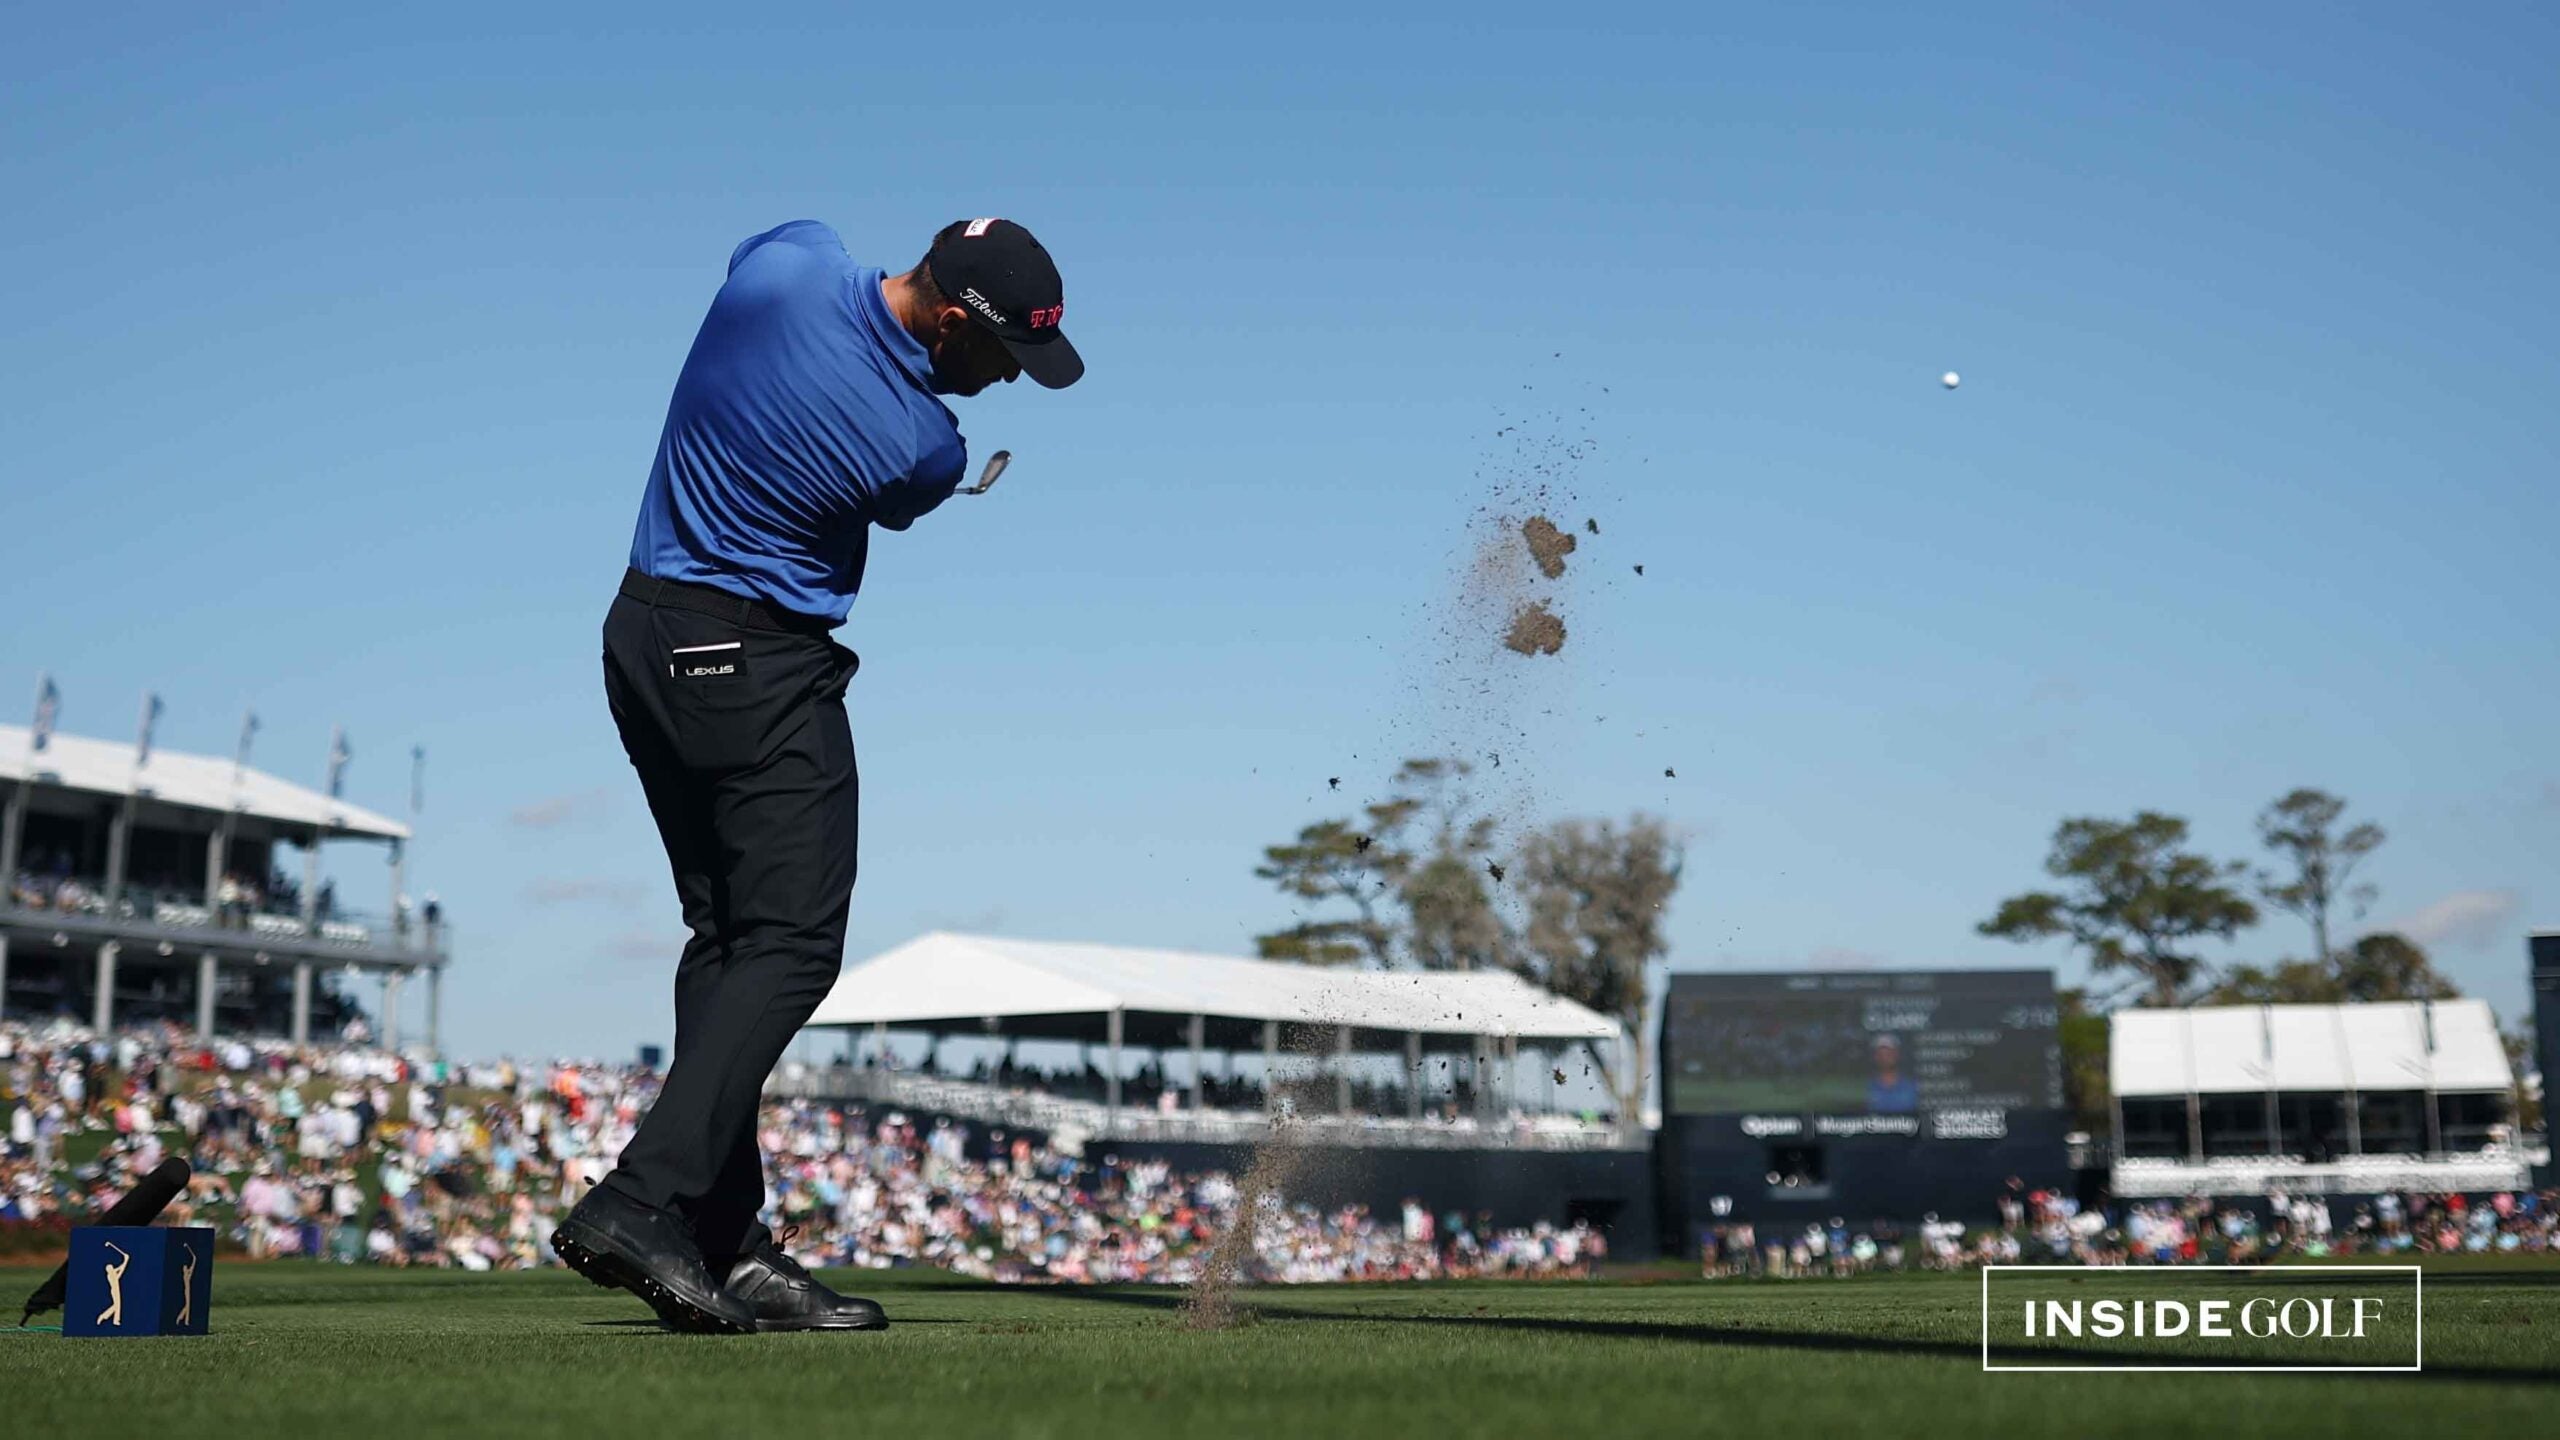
734, 716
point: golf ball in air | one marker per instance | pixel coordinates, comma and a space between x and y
1949, 379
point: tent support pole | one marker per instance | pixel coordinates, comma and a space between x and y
1270, 1064
1341, 1069
1413, 1075
1111, 1081
1199, 1040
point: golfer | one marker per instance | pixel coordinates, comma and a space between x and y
808, 412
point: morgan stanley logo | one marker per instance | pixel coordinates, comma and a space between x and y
2209, 1317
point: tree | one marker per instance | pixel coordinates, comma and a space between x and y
2377, 967
2291, 982
1451, 921
1450, 917
1329, 861
2532, 1088
1317, 942
1596, 892
2082, 1036
2320, 863
1415, 883
2137, 898
1413, 877
2389, 967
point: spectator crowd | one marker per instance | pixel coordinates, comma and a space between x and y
351, 1154
48, 880
2047, 1227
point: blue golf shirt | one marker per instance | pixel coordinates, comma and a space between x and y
804, 415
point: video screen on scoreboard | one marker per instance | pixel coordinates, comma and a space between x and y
1866, 1043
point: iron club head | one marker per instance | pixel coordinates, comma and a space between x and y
987, 477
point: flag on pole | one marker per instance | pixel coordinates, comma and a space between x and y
48, 705
151, 708
417, 778
339, 755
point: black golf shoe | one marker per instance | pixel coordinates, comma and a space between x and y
785, 1296
620, 1243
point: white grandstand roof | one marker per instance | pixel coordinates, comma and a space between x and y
2246, 1049
966, 979
174, 777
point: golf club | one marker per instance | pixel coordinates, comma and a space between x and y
987, 477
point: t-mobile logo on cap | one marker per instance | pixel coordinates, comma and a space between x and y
978, 227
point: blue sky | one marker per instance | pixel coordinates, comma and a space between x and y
338, 346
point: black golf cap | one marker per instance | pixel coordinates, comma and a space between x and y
997, 272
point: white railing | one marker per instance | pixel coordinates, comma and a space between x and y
2496, 1168
1033, 1110
346, 929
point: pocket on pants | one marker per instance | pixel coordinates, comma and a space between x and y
707, 662
714, 671
841, 665
724, 687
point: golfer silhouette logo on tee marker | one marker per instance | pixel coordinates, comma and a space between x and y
114, 1313
186, 1284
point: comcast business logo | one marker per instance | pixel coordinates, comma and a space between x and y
2205, 1317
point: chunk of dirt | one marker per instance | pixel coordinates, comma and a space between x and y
1548, 545
1535, 630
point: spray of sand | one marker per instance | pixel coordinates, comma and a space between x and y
1474, 701
1276, 1158
1283, 1156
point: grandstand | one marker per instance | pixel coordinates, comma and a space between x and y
2316, 1099
1447, 1092
1452, 1042
148, 885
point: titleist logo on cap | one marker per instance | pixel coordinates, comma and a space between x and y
979, 303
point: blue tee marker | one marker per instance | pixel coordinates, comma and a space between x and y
139, 1280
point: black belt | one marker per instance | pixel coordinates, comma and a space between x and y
737, 609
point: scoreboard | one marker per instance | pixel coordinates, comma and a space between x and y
1881, 1094
1865, 1043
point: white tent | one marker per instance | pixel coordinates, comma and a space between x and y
174, 777
942, 981
2440, 1045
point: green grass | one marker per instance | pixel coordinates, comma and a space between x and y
299, 1349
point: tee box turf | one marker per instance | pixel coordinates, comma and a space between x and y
139, 1280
